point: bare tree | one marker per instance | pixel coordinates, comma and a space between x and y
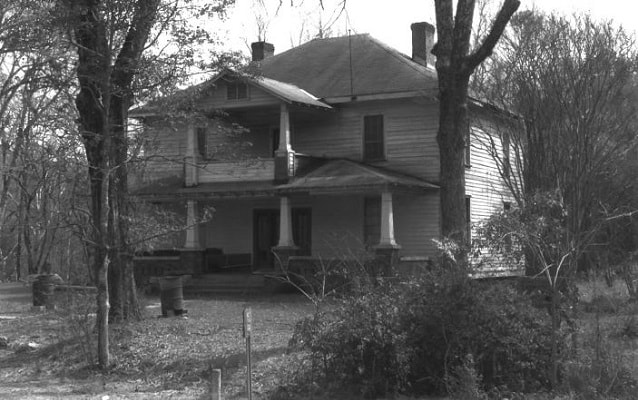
111, 38
572, 81
455, 65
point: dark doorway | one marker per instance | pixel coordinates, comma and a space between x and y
266, 234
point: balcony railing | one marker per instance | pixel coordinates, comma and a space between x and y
229, 171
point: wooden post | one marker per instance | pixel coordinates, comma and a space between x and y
192, 227
284, 156
285, 223
248, 327
216, 384
190, 161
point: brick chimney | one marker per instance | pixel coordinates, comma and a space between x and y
422, 43
262, 50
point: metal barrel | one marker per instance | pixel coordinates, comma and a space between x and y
171, 295
43, 289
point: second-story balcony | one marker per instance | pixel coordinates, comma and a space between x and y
229, 171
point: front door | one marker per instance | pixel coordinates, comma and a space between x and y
265, 237
266, 234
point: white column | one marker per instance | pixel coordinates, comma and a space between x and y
190, 167
284, 129
285, 223
192, 227
387, 221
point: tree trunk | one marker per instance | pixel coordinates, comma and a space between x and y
93, 65
555, 317
453, 128
454, 66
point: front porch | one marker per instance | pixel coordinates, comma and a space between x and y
339, 211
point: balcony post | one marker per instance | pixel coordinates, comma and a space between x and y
284, 155
190, 161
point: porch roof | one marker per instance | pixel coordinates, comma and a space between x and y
342, 175
327, 177
170, 189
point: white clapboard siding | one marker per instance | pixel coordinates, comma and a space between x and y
337, 227
231, 226
163, 152
410, 135
226, 171
417, 223
487, 189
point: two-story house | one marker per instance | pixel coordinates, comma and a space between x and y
337, 157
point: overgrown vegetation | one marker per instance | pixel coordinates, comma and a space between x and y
420, 336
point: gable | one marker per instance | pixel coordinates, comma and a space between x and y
220, 95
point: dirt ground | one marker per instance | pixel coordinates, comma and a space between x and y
157, 358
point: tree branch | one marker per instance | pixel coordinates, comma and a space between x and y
508, 9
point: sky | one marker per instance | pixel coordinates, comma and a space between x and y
386, 20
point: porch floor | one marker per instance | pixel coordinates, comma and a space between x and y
234, 282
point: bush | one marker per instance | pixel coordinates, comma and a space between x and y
451, 316
359, 342
418, 337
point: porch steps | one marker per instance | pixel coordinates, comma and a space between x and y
244, 283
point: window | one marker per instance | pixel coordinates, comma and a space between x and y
468, 218
274, 140
506, 155
373, 147
202, 148
468, 150
507, 206
236, 91
371, 220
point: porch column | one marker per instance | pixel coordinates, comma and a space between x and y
284, 129
387, 221
192, 227
284, 156
190, 161
286, 245
285, 223
387, 251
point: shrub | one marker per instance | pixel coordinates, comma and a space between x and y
418, 337
451, 316
358, 342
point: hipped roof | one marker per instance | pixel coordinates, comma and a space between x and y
349, 65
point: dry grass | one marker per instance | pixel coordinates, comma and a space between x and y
169, 357
172, 357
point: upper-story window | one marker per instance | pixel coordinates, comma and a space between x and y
468, 218
236, 90
373, 140
468, 149
507, 168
